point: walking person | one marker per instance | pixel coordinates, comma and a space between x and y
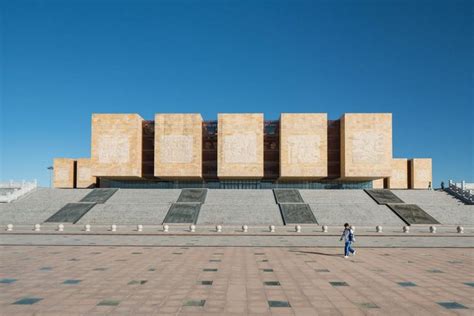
348, 236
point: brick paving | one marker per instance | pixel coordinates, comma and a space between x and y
124, 280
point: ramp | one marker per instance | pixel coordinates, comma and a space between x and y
192, 196
287, 196
98, 196
70, 213
183, 213
382, 196
412, 214
297, 213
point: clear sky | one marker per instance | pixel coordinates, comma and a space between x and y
61, 61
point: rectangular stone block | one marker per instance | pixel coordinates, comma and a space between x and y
366, 146
303, 146
240, 146
63, 173
421, 173
84, 173
378, 184
399, 177
116, 145
178, 146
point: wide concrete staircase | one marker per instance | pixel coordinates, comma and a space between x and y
227, 207
39, 205
239, 207
445, 208
335, 207
133, 206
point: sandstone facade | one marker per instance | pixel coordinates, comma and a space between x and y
303, 146
116, 145
240, 146
366, 146
178, 146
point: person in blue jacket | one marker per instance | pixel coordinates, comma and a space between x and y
348, 236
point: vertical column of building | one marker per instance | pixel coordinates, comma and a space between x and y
421, 173
240, 146
63, 176
366, 146
116, 145
399, 175
303, 146
84, 178
178, 146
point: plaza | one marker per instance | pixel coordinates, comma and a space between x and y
215, 280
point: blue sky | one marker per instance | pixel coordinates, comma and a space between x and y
61, 61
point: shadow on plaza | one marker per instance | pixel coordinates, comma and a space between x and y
319, 253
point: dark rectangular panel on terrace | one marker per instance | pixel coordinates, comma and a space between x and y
99, 196
412, 214
192, 196
297, 214
287, 196
183, 213
70, 213
382, 196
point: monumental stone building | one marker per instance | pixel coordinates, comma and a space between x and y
301, 150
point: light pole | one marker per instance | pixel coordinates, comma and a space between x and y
50, 168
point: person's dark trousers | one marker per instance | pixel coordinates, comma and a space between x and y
348, 249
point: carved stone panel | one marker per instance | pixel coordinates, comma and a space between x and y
240, 148
117, 145
178, 146
114, 149
366, 146
303, 146
176, 149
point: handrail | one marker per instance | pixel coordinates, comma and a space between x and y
461, 191
20, 189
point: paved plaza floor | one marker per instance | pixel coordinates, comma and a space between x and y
224, 280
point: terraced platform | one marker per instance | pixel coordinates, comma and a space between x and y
240, 207
234, 207
427, 197
359, 214
336, 197
240, 197
239, 214
126, 214
144, 196
39, 205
